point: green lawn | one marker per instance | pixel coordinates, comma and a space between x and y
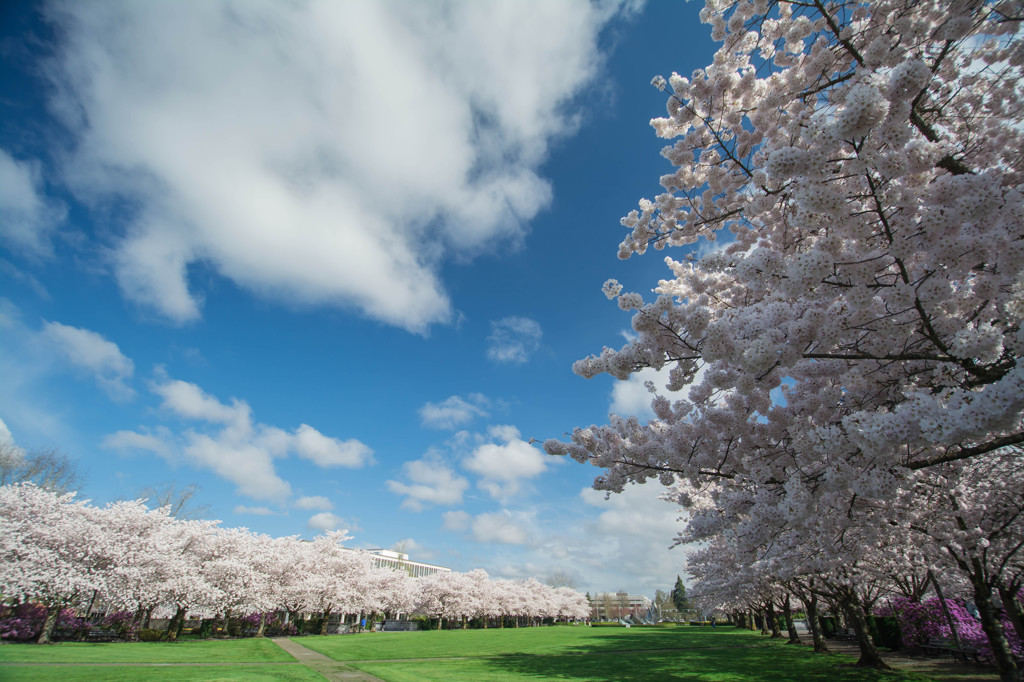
546, 640
551, 653
213, 673
589, 654
205, 651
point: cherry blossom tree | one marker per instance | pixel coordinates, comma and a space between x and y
862, 321
53, 550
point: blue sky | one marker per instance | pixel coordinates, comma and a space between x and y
332, 263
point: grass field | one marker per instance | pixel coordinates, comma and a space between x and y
589, 655
205, 651
552, 653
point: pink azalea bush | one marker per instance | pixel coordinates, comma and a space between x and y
23, 622
921, 621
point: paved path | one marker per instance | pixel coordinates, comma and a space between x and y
334, 671
938, 669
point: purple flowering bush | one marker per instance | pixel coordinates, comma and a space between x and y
921, 621
123, 622
24, 622
275, 626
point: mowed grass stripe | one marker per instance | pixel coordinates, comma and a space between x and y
747, 664
294, 672
545, 640
202, 651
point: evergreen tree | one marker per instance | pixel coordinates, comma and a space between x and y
679, 596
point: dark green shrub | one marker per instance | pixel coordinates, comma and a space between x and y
885, 631
151, 635
828, 625
206, 628
311, 626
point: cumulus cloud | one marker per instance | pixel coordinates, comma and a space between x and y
89, 351
321, 152
453, 412
314, 502
513, 339
255, 511
456, 520
133, 440
234, 446
503, 465
27, 217
330, 452
325, 521
430, 481
501, 527
631, 398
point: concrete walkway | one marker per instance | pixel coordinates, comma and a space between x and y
334, 671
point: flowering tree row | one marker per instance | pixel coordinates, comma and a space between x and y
59, 551
843, 377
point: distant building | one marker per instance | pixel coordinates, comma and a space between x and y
615, 605
388, 558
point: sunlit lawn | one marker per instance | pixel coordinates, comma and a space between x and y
204, 651
580, 653
129, 673
549, 653
236, 652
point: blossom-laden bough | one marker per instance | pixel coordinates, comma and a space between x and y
861, 164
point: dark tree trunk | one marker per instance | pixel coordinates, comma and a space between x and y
869, 657
1014, 611
50, 624
992, 626
773, 622
751, 622
787, 613
323, 622
174, 627
261, 631
814, 622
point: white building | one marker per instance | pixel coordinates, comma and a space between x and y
389, 558
614, 605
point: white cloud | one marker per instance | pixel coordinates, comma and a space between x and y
330, 452
88, 350
234, 446
630, 398
133, 440
513, 339
314, 502
256, 511
456, 520
27, 216
325, 521
453, 412
501, 527
502, 466
5, 434
188, 400
321, 152
431, 481
415, 550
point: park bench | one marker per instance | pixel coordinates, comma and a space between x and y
91, 635
941, 646
845, 634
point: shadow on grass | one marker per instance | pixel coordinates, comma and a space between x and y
752, 663
717, 657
